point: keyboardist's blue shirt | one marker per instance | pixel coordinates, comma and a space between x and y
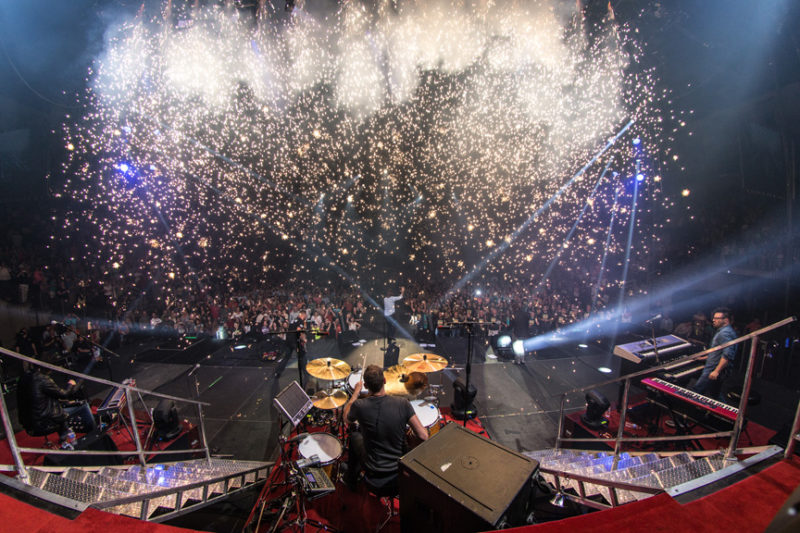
723, 335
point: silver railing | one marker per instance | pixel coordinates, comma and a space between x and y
732, 434
17, 451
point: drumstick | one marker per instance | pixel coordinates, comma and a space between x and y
363, 367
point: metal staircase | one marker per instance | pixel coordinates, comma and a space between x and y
597, 480
157, 493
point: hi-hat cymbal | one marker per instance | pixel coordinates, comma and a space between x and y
328, 368
424, 362
329, 400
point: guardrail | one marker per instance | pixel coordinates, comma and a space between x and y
16, 451
737, 426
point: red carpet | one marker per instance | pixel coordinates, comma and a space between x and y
746, 506
18, 516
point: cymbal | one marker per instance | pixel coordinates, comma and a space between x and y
329, 400
424, 362
400, 382
328, 368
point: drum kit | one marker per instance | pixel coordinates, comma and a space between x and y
409, 379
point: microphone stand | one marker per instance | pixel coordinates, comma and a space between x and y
470, 337
652, 325
88, 339
299, 345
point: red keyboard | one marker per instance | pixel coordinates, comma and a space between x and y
715, 407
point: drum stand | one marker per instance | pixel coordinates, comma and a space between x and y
282, 475
296, 498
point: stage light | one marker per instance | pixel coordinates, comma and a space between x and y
640, 177
503, 341
462, 406
604, 370
637, 141
478, 292
596, 407
583, 345
518, 347
685, 192
123, 167
166, 421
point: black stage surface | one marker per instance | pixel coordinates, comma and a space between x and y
518, 404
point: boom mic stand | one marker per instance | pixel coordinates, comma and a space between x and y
470, 325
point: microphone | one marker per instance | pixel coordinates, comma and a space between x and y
653, 319
311, 461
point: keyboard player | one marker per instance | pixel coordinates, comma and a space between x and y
719, 364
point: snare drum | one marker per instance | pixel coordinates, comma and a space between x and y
323, 445
352, 380
428, 415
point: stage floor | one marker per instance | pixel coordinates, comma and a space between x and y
517, 404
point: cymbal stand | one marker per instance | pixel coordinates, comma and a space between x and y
296, 499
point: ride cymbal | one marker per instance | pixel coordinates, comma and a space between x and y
424, 362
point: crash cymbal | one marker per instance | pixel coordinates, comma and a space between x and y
424, 362
329, 399
328, 368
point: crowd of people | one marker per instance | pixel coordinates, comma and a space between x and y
40, 274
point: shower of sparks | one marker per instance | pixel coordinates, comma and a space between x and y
402, 142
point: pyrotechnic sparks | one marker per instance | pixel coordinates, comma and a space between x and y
381, 142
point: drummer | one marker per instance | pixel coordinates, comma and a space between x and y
381, 440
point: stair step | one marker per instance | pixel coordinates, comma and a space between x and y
131, 488
80, 491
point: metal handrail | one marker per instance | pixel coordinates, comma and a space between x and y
16, 451
87, 377
679, 360
613, 486
738, 424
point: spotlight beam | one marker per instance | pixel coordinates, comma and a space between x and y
572, 230
640, 307
605, 249
502, 247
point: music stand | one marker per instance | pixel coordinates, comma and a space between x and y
293, 402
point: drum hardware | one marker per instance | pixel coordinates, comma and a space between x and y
306, 482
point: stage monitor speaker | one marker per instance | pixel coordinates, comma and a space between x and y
460, 481
462, 405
